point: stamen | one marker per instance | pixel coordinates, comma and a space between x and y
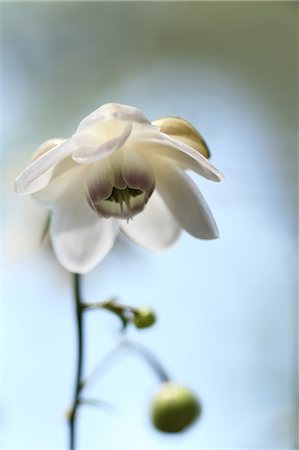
120, 200
127, 203
126, 196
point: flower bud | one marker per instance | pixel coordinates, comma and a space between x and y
182, 130
174, 408
144, 317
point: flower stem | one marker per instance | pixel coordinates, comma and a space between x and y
80, 352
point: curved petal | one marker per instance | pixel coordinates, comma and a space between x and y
59, 183
136, 171
38, 174
185, 201
94, 147
100, 181
80, 238
46, 146
186, 156
155, 227
116, 161
113, 111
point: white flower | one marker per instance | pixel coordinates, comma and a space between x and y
120, 172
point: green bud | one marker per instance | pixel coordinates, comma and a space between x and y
182, 130
144, 317
174, 408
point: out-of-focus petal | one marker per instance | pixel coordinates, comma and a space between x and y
80, 238
38, 174
155, 227
60, 181
181, 154
185, 201
92, 146
113, 111
182, 130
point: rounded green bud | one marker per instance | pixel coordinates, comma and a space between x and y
144, 317
181, 129
174, 408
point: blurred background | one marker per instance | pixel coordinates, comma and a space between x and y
227, 311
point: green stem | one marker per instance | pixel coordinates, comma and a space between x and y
127, 345
80, 351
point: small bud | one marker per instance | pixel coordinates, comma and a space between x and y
174, 408
144, 317
182, 130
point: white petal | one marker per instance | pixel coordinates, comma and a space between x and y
181, 153
90, 150
45, 147
100, 181
38, 174
155, 227
113, 111
80, 238
136, 171
60, 182
116, 161
185, 201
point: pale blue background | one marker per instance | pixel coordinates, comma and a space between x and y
227, 313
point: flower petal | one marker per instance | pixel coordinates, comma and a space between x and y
80, 238
136, 171
90, 150
186, 156
38, 174
100, 181
113, 111
60, 181
155, 227
185, 201
45, 147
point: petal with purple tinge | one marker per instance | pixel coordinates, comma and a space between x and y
136, 171
100, 181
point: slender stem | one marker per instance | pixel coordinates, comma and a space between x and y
80, 351
127, 345
149, 357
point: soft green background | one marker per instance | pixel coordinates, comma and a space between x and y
227, 309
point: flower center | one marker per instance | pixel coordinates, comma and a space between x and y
123, 197
122, 203
121, 185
